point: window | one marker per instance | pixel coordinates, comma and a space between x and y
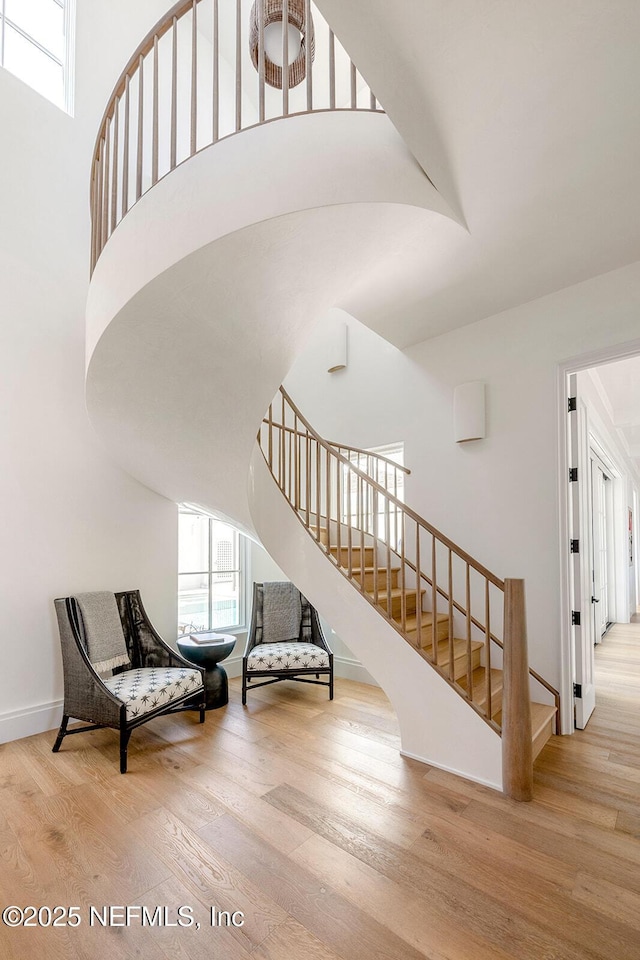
36, 44
210, 574
392, 480
371, 513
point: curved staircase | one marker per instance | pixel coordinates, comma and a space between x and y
465, 622
212, 256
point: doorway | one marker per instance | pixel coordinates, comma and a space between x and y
599, 490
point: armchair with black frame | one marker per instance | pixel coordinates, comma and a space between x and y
285, 640
118, 672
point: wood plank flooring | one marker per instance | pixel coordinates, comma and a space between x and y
302, 814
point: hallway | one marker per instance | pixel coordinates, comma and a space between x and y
611, 740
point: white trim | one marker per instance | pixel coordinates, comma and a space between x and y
564, 516
241, 571
458, 773
596, 358
67, 63
16, 724
348, 668
233, 666
573, 365
70, 56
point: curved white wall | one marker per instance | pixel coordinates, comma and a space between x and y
209, 288
200, 303
279, 168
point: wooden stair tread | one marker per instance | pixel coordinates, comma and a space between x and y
541, 715
344, 551
479, 688
427, 620
479, 683
395, 592
459, 648
344, 545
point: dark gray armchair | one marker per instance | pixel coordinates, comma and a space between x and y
141, 677
285, 640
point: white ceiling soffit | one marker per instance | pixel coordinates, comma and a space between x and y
527, 119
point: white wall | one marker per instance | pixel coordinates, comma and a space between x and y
70, 520
496, 497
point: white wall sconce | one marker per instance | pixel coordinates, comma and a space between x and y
338, 348
469, 416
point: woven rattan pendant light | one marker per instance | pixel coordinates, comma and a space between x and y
273, 14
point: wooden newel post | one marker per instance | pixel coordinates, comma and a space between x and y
517, 756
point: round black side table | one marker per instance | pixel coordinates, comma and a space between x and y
207, 652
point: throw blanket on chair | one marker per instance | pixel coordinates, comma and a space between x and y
281, 612
106, 647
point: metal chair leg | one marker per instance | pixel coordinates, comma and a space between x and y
61, 733
124, 742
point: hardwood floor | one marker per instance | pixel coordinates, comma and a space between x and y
301, 814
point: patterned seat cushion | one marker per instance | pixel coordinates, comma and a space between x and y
287, 656
147, 688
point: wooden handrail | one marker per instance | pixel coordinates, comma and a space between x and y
441, 537
370, 453
141, 142
358, 450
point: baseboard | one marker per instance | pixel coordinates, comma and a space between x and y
350, 669
457, 773
17, 724
233, 667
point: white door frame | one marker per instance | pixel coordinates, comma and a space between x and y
602, 592
579, 494
634, 535
567, 367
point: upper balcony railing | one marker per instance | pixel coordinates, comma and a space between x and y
208, 69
